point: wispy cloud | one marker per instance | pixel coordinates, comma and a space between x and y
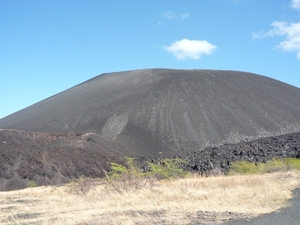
171, 15
158, 24
291, 32
192, 49
295, 4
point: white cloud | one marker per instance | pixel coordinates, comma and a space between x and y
290, 31
173, 15
193, 49
260, 34
184, 16
295, 4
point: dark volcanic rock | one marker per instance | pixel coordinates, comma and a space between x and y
56, 158
219, 158
52, 158
168, 111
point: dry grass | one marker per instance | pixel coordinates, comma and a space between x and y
168, 202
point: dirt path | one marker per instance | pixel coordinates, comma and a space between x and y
289, 215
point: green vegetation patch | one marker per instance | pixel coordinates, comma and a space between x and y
165, 169
32, 183
274, 165
168, 169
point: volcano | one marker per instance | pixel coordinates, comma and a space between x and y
164, 111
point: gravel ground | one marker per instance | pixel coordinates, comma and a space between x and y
286, 216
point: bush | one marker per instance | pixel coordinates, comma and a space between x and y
168, 169
274, 165
117, 171
82, 185
126, 178
165, 169
292, 163
243, 167
32, 183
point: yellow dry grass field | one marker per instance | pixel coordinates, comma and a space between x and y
165, 202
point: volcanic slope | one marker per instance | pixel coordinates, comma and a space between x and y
167, 111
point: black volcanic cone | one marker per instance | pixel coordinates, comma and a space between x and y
168, 111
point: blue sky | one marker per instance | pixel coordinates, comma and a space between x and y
49, 46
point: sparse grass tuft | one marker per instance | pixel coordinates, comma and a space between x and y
82, 185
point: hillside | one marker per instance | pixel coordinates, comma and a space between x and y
168, 111
208, 117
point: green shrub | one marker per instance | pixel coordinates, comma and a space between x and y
243, 167
124, 178
277, 164
32, 183
168, 169
274, 165
292, 163
165, 169
117, 171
